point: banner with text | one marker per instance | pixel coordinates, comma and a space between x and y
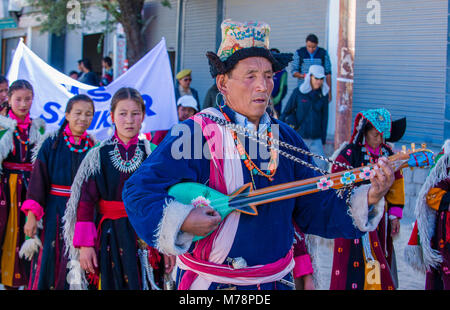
151, 76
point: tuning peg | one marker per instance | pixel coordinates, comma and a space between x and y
404, 149
413, 147
424, 145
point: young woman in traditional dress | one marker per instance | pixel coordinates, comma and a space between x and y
97, 230
53, 172
369, 262
18, 135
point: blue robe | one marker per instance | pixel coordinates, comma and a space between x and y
260, 239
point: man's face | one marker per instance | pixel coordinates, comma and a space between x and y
248, 87
185, 82
185, 112
311, 47
316, 83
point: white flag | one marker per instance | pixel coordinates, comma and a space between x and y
151, 76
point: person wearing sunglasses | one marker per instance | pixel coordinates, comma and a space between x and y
307, 111
183, 87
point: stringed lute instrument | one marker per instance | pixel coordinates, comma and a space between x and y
245, 199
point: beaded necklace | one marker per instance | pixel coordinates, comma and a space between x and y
72, 148
251, 166
371, 160
16, 133
126, 166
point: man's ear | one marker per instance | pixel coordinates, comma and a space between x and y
221, 82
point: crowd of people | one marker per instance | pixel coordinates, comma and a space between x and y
125, 213
88, 76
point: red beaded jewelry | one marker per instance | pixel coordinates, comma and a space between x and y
17, 135
372, 161
251, 166
72, 148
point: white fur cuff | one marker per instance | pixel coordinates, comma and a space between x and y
170, 240
359, 211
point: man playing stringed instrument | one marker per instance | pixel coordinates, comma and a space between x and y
225, 241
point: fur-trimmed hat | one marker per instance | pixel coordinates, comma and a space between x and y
243, 40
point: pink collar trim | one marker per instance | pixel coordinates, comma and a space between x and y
22, 124
133, 141
71, 137
374, 152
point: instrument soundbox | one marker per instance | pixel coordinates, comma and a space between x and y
245, 199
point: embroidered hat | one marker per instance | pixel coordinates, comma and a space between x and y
381, 120
183, 73
241, 40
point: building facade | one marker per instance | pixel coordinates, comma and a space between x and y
400, 60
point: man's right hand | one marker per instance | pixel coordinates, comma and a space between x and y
299, 75
201, 221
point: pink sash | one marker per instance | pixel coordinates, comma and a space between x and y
217, 181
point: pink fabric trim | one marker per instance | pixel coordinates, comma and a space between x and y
221, 245
244, 276
133, 140
374, 152
214, 138
396, 211
71, 139
33, 206
204, 246
303, 266
22, 124
85, 234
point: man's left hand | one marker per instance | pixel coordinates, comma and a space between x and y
381, 181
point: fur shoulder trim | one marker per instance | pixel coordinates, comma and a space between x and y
446, 146
7, 123
37, 130
148, 149
426, 217
7, 140
414, 257
89, 166
37, 147
336, 154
